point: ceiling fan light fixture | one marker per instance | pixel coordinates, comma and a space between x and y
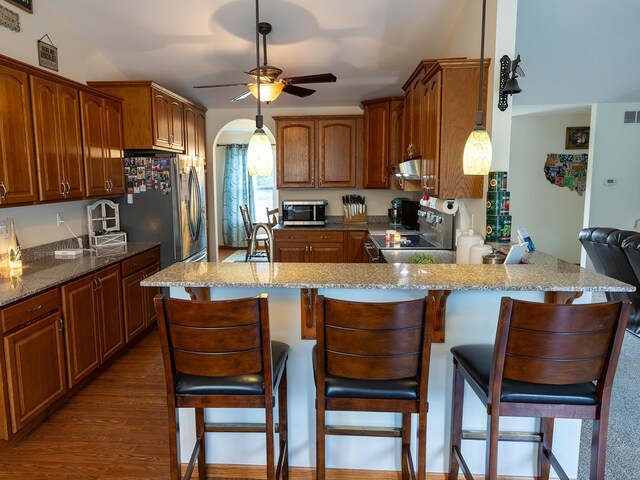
260, 155
268, 91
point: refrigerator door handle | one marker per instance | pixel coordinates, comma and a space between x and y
194, 204
198, 203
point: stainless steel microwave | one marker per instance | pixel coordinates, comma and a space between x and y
304, 212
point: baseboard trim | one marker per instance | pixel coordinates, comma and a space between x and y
257, 472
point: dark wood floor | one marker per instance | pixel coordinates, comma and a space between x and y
114, 429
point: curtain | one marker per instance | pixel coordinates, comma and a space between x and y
237, 190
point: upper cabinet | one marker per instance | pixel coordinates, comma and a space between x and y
17, 161
156, 118
58, 139
382, 139
194, 131
321, 151
103, 149
412, 112
449, 105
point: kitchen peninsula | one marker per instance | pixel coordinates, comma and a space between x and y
471, 317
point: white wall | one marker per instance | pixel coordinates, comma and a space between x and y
614, 153
79, 61
551, 214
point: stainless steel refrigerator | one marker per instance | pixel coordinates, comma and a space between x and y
176, 218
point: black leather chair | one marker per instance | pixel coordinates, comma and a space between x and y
615, 253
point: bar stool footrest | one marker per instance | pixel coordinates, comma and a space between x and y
238, 427
503, 436
356, 431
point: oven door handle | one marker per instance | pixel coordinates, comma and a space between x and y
370, 248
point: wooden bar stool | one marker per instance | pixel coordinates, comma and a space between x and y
373, 357
219, 355
544, 364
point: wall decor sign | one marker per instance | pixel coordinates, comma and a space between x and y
9, 19
26, 5
565, 170
47, 54
577, 138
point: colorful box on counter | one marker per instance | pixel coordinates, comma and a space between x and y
498, 203
498, 181
498, 228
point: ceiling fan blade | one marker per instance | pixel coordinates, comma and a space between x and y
242, 96
318, 78
298, 91
221, 85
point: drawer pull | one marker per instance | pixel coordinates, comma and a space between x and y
292, 238
325, 237
34, 309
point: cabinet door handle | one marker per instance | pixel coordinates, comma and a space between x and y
61, 322
99, 282
68, 186
106, 185
310, 249
34, 309
4, 191
63, 191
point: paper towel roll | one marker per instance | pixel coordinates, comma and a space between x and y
445, 206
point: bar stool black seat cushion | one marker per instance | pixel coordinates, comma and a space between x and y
344, 387
477, 359
251, 384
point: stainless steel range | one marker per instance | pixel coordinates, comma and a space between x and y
436, 233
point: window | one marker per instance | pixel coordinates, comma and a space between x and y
263, 197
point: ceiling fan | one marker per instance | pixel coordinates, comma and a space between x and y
270, 86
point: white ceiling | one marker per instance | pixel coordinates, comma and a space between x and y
370, 45
578, 51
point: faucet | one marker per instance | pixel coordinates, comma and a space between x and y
252, 246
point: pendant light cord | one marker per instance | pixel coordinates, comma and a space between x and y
480, 115
259, 121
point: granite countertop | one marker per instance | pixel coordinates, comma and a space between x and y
46, 272
549, 275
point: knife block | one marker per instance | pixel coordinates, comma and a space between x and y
355, 219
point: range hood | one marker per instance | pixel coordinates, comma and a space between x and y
411, 169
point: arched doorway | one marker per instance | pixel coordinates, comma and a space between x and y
237, 131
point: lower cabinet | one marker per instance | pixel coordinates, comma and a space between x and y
139, 311
53, 341
320, 246
37, 347
94, 332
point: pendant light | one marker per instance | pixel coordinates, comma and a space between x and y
477, 151
260, 152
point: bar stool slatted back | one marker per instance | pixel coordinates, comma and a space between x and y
373, 357
218, 354
549, 361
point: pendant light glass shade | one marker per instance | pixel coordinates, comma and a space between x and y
260, 155
477, 153
268, 91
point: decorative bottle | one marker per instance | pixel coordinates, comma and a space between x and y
13, 248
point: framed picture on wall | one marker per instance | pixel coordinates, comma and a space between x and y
577, 138
26, 5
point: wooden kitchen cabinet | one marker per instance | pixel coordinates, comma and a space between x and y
296, 153
412, 112
318, 152
448, 117
309, 246
201, 133
382, 138
337, 149
34, 356
82, 332
58, 139
94, 332
109, 312
139, 311
17, 161
155, 118
355, 249
103, 147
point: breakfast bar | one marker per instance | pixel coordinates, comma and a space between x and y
472, 294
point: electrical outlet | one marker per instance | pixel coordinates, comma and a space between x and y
59, 219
